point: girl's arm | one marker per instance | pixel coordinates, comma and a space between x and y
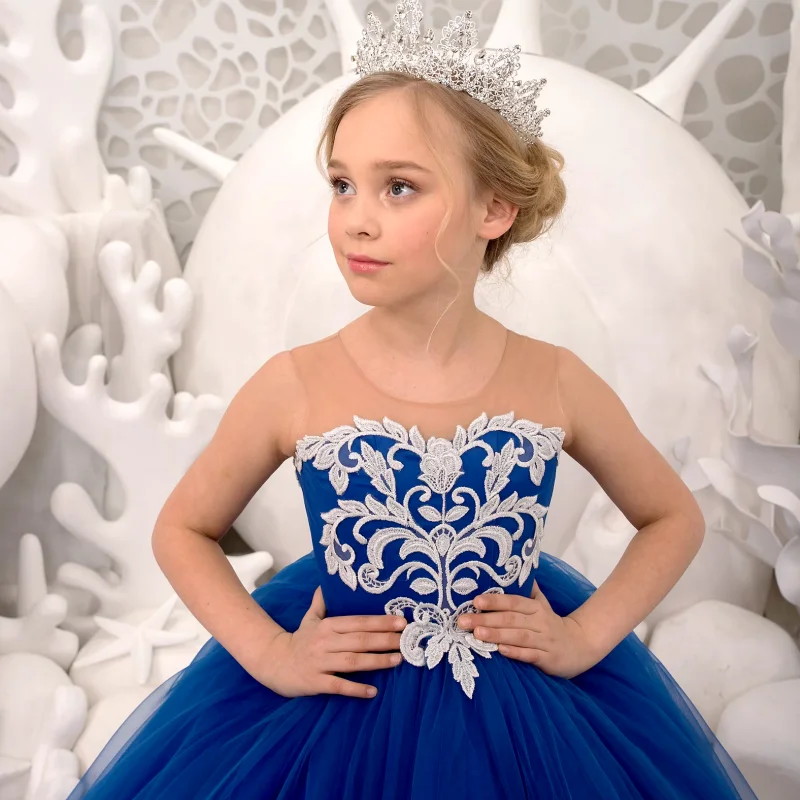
254, 437
604, 439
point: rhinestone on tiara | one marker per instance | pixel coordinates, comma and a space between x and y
489, 79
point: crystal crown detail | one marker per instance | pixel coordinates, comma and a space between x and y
489, 78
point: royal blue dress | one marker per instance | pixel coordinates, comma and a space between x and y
415, 527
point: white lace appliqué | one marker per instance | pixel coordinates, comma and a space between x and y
435, 550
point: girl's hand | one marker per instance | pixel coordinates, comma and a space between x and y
304, 662
527, 628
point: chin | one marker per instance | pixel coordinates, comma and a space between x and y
385, 290
370, 292
374, 296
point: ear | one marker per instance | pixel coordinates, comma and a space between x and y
498, 216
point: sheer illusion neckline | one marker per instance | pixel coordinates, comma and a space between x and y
431, 403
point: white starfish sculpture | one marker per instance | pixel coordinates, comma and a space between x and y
137, 640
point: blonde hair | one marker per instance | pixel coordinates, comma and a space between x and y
526, 175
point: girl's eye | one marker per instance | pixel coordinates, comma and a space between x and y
336, 182
397, 182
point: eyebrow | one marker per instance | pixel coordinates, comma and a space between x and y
383, 165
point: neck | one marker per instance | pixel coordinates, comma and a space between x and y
430, 335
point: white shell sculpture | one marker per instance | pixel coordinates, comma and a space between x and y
650, 277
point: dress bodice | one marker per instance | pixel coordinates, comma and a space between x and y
414, 509
415, 525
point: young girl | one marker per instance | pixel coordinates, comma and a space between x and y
426, 648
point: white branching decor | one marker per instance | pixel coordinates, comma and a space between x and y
147, 449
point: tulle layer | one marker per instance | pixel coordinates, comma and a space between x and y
623, 729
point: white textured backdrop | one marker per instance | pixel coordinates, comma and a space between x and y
220, 71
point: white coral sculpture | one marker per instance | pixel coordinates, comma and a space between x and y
57, 99
147, 450
39, 613
759, 479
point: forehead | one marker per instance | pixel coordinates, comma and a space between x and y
383, 131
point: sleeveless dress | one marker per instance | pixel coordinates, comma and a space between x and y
415, 509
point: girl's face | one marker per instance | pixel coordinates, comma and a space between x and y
389, 197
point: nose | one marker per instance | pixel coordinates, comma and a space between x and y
361, 218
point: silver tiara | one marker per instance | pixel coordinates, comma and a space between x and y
490, 78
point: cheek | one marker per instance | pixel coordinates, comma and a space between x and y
422, 239
334, 224
421, 226
418, 238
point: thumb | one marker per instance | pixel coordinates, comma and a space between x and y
536, 594
317, 607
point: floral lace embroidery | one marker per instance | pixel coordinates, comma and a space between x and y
440, 467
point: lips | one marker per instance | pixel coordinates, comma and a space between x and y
365, 259
362, 265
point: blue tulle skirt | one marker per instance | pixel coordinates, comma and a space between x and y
623, 729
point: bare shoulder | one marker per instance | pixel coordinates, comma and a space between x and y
604, 438
274, 399
574, 378
540, 358
253, 438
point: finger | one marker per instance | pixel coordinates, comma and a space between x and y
362, 642
537, 595
355, 662
496, 619
333, 684
367, 622
527, 654
520, 637
502, 602
317, 607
